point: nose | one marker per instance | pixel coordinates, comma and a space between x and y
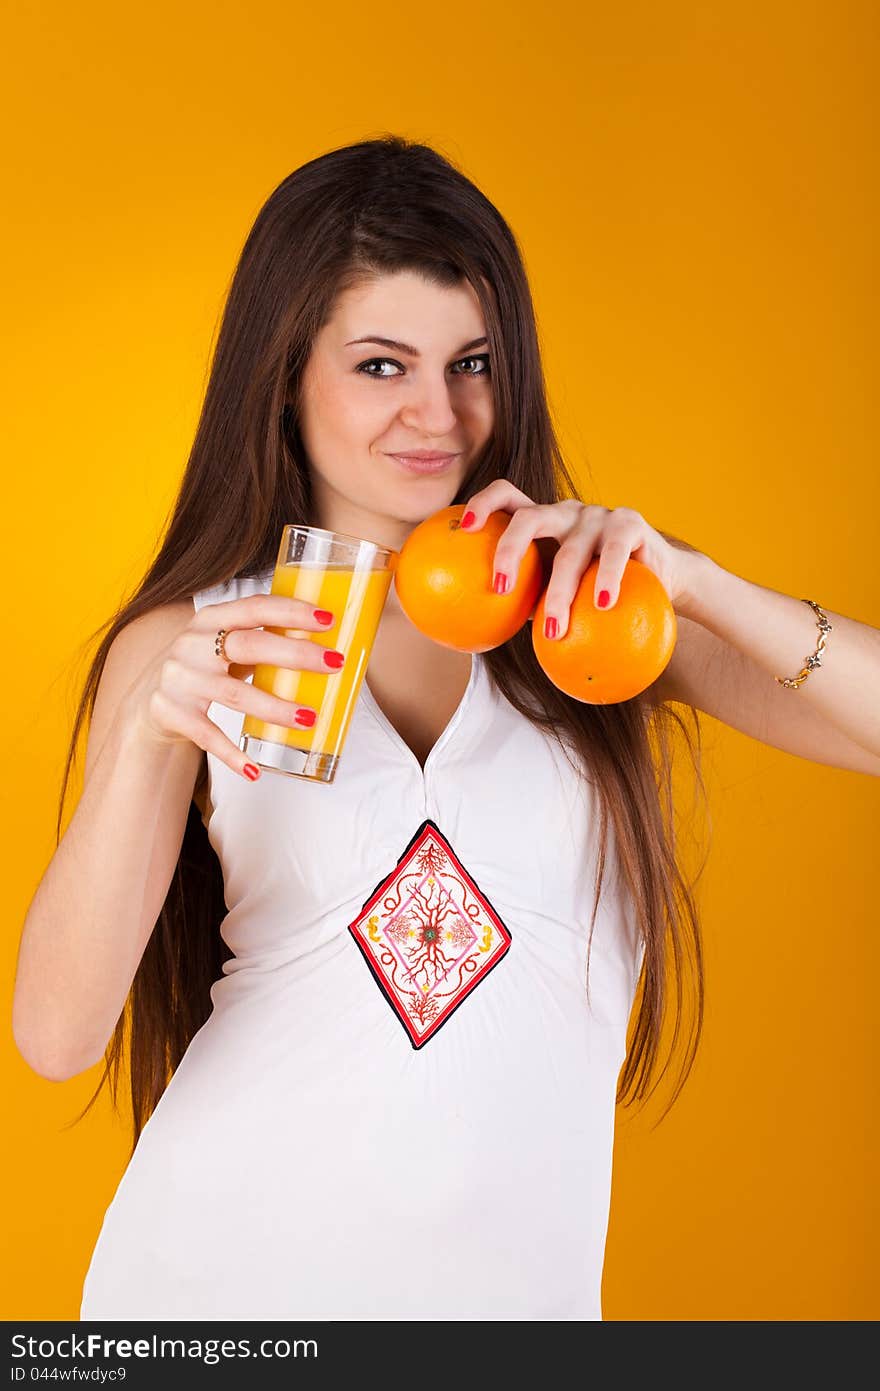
430, 411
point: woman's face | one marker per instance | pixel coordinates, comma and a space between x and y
363, 402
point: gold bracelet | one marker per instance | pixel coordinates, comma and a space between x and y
813, 661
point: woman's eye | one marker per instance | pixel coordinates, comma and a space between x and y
389, 362
376, 362
484, 359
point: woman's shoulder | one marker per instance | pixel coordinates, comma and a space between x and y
137, 639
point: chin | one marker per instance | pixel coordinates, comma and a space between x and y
426, 506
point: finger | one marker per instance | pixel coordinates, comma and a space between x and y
244, 696
553, 519
499, 495
279, 610
626, 531
569, 564
246, 647
613, 556
263, 610
190, 685
201, 731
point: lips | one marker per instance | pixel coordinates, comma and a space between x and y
425, 463
424, 456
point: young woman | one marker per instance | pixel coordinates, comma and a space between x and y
295, 1156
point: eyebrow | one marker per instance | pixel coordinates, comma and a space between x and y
410, 351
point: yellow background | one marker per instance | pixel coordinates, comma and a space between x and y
692, 187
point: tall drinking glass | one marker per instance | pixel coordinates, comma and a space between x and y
351, 578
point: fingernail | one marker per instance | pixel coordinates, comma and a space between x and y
322, 616
500, 584
306, 717
334, 660
604, 596
468, 519
251, 771
551, 627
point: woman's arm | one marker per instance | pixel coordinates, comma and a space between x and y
735, 636
97, 903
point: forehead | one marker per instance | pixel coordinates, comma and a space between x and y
404, 305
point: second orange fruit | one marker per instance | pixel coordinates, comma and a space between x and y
609, 655
444, 580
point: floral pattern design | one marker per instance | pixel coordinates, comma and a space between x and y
428, 934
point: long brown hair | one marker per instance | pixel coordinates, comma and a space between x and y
384, 205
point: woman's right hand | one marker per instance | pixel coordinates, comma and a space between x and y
170, 699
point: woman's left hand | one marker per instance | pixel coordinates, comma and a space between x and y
584, 531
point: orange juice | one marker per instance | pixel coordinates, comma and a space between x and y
355, 597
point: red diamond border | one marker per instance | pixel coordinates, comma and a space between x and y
428, 828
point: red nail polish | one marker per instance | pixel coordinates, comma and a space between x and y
251, 771
306, 717
468, 519
551, 627
500, 585
604, 596
334, 660
322, 616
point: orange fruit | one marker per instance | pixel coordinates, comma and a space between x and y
609, 655
444, 580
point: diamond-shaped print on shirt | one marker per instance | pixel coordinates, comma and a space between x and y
428, 934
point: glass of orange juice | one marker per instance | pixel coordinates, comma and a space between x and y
350, 577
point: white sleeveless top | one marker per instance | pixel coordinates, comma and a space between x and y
402, 1104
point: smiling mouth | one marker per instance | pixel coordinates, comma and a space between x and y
426, 467
426, 456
